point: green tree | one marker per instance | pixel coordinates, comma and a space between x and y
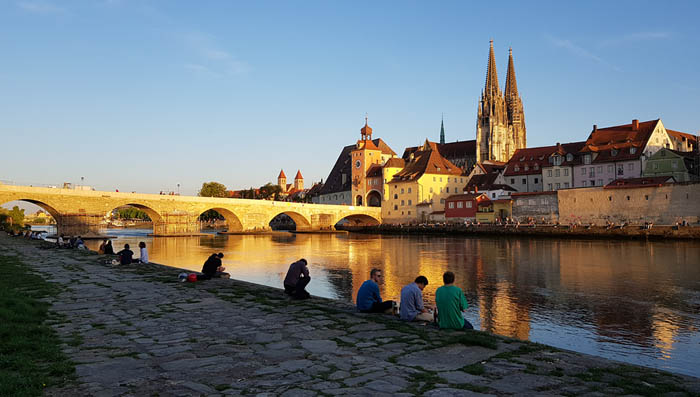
213, 189
17, 215
269, 190
130, 213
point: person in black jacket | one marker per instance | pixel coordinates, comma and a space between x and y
212, 268
126, 256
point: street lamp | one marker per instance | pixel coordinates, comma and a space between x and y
178, 188
82, 181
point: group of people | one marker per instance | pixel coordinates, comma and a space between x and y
72, 242
449, 313
126, 256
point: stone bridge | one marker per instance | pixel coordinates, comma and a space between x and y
82, 212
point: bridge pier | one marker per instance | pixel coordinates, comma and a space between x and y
80, 224
176, 223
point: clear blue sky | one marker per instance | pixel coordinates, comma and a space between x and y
141, 95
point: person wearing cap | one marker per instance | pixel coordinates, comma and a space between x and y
297, 279
212, 268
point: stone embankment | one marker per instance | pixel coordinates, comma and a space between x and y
634, 232
135, 330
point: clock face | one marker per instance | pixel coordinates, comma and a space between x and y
358, 164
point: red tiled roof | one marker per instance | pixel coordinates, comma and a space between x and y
316, 188
427, 160
281, 175
395, 162
491, 166
456, 149
615, 143
481, 182
383, 147
682, 135
298, 175
640, 182
533, 158
466, 196
367, 145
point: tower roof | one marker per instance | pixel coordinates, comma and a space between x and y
281, 175
511, 84
366, 130
298, 176
442, 131
491, 85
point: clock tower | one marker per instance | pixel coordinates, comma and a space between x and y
363, 157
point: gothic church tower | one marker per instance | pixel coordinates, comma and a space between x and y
500, 124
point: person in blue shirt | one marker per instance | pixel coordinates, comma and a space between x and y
368, 298
412, 307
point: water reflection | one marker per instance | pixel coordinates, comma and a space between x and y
632, 301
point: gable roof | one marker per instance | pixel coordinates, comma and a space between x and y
452, 150
334, 182
465, 196
427, 160
374, 170
682, 136
395, 162
529, 161
653, 181
379, 143
615, 143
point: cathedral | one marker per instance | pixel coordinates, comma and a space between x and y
500, 124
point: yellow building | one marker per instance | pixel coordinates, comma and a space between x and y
417, 192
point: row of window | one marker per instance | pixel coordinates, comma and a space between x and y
557, 172
460, 204
557, 186
335, 197
527, 168
461, 180
512, 181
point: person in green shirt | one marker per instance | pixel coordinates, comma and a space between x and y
451, 303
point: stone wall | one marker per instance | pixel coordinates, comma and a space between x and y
662, 205
535, 205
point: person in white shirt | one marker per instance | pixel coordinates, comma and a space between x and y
144, 253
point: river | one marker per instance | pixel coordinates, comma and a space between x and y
632, 301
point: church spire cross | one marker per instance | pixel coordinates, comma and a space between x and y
491, 86
511, 84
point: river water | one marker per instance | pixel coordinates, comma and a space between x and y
632, 301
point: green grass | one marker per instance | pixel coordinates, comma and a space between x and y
30, 354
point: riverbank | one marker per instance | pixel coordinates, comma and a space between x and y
136, 329
598, 232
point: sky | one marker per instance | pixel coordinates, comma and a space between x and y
143, 95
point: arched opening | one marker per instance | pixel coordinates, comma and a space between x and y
374, 199
137, 218
220, 219
17, 214
358, 200
357, 220
289, 221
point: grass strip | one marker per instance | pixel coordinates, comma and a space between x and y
30, 353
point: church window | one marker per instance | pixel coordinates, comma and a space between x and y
549, 173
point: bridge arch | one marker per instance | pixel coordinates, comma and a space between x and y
44, 206
232, 220
153, 214
374, 198
302, 223
359, 220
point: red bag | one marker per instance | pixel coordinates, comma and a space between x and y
192, 278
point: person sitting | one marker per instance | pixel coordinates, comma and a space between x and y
143, 252
297, 279
368, 298
109, 250
101, 249
451, 305
79, 243
59, 242
412, 307
126, 256
212, 268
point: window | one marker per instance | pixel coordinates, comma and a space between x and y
396, 196
566, 185
409, 190
461, 180
403, 203
587, 159
455, 180
527, 167
531, 202
549, 186
566, 172
442, 201
440, 190
557, 160
440, 179
674, 164
448, 189
620, 169
452, 205
633, 150
585, 183
613, 152
549, 173
537, 167
516, 169
557, 173
434, 179
628, 198
409, 212
600, 182
610, 168
460, 204
401, 190
396, 207
512, 181
630, 167
468, 204
431, 190
583, 171
656, 166
524, 181
410, 202
600, 169
646, 197
537, 180
558, 186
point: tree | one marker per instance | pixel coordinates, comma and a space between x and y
269, 190
212, 189
17, 215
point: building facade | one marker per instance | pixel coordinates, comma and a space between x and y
682, 166
559, 172
500, 125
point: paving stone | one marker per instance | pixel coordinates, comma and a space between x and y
295, 365
337, 375
448, 358
459, 377
320, 346
447, 392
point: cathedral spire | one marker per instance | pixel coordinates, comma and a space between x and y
442, 130
511, 84
491, 86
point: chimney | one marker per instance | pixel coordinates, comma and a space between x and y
635, 125
595, 127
